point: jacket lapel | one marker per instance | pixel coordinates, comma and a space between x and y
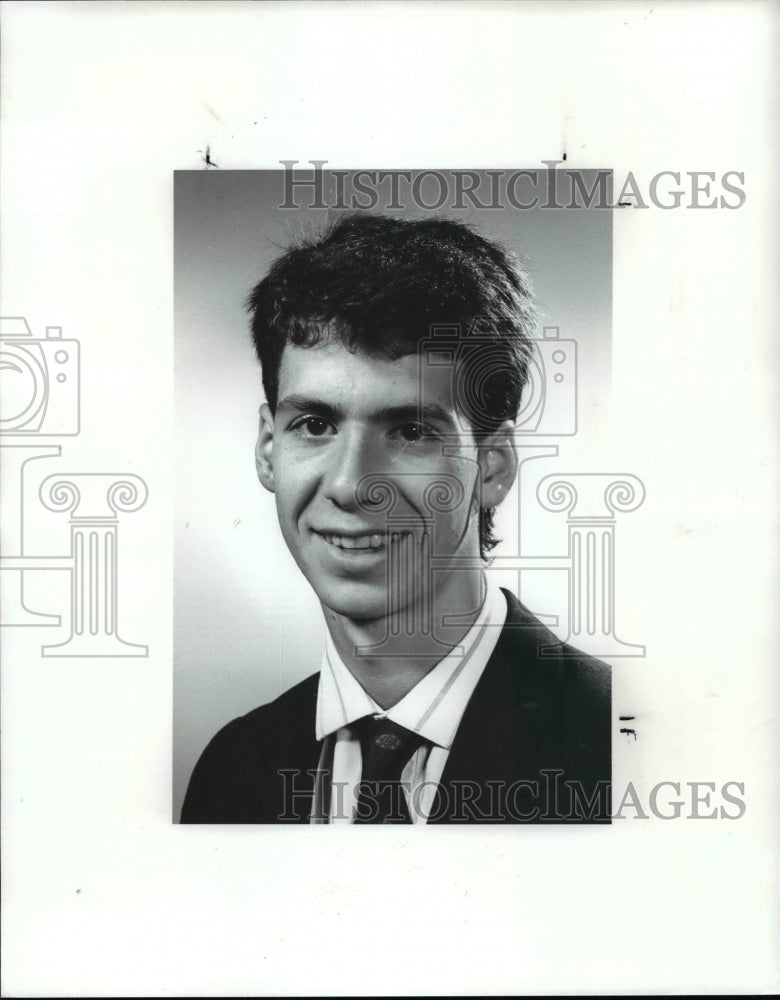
510, 731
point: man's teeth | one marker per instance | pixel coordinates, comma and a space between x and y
375, 541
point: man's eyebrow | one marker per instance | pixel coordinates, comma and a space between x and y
414, 411
307, 404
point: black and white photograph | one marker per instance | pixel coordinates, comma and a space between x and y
411, 341
388, 437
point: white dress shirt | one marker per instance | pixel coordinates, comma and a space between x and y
433, 709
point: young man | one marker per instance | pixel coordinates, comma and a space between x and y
394, 355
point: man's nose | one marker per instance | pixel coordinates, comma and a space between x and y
355, 456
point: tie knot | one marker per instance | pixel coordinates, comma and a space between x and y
386, 747
384, 734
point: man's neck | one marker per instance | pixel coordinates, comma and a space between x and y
389, 655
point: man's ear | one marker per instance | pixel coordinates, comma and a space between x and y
498, 464
264, 449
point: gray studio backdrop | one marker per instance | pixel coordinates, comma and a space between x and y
247, 626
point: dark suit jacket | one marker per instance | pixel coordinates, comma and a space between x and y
534, 745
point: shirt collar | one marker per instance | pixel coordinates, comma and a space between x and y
434, 707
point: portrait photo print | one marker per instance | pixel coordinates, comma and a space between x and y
395, 529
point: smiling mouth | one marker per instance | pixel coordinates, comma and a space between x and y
369, 543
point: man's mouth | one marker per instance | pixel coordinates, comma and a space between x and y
373, 542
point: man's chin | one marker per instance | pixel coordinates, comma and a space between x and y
364, 612
359, 606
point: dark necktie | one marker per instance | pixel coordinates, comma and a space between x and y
386, 749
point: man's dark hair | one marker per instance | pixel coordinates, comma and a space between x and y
378, 284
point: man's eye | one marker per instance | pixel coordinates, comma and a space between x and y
313, 426
413, 432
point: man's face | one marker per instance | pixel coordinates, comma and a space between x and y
342, 417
